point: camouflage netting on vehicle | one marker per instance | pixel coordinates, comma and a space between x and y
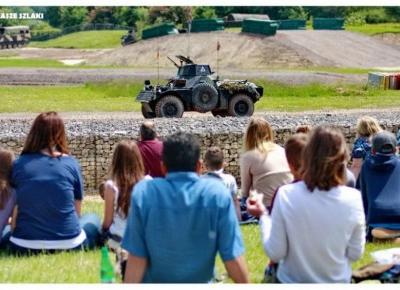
236, 86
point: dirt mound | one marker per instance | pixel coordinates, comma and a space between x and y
287, 49
237, 50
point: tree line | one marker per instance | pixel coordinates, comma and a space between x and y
140, 17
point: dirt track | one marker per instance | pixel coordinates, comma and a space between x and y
32, 76
238, 50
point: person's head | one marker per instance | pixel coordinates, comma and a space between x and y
214, 159
47, 132
147, 131
303, 129
6, 161
324, 159
126, 170
258, 135
294, 148
367, 126
181, 152
383, 143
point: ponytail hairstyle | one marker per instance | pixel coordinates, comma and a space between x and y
126, 170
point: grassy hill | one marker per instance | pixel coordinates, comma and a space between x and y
84, 39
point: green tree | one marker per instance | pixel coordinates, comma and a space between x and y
53, 16
292, 13
204, 12
71, 16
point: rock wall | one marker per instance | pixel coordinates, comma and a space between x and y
94, 151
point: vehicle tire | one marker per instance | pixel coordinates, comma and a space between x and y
148, 114
169, 107
241, 105
219, 113
205, 97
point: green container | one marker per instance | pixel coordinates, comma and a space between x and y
292, 24
203, 25
159, 30
257, 26
328, 23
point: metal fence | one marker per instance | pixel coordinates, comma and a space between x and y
46, 35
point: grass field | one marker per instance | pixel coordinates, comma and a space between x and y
84, 40
84, 267
120, 96
372, 29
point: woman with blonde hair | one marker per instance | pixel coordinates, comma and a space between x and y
317, 227
366, 127
263, 165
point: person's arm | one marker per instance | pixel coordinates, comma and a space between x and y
134, 240
245, 175
14, 218
356, 245
78, 187
230, 243
237, 270
273, 230
135, 269
109, 196
355, 167
361, 182
78, 207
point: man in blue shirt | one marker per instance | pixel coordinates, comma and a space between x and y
380, 187
177, 224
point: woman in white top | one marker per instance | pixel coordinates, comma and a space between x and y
317, 227
126, 170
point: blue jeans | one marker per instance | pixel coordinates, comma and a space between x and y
90, 223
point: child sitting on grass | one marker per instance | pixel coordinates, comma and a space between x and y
214, 164
7, 195
126, 171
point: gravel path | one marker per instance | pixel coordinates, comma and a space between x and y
342, 48
18, 124
33, 76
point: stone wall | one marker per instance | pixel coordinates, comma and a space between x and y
94, 151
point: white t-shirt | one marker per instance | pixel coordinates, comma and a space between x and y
314, 235
119, 219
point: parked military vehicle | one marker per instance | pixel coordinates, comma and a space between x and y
14, 36
195, 88
128, 38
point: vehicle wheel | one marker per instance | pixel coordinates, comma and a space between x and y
219, 113
205, 97
148, 114
169, 107
241, 105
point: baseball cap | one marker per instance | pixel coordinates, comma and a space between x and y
384, 142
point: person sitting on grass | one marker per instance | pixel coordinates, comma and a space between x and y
367, 127
150, 149
380, 188
263, 165
7, 195
177, 224
125, 172
317, 226
214, 164
49, 189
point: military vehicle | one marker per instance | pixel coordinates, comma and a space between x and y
195, 88
128, 38
14, 36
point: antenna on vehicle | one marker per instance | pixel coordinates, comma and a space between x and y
189, 28
158, 61
218, 48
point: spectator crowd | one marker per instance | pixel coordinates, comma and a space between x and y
168, 211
